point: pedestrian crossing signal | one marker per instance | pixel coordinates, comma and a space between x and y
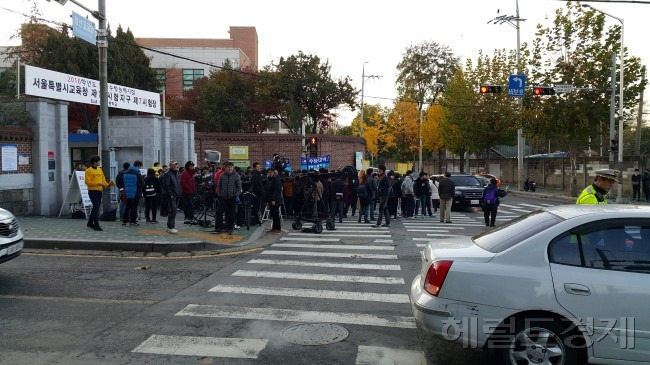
490, 89
614, 145
313, 141
543, 91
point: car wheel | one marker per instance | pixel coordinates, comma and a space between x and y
540, 342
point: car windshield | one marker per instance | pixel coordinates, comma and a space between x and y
465, 181
515, 231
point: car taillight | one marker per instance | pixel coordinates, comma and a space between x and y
436, 276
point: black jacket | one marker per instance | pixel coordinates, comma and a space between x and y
152, 182
336, 187
446, 188
383, 189
274, 192
257, 187
421, 187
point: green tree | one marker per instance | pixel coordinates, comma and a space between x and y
576, 49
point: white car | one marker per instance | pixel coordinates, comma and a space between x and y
561, 285
11, 237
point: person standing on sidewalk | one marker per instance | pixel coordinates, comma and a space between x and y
645, 180
171, 188
119, 181
407, 195
446, 189
133, 187
152, 192
188, 190
491, 195
229, 192
275, 199
636, 186
383, 193
96, 182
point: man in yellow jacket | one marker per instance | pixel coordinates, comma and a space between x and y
96, 182
596, 193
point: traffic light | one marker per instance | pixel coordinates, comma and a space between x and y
313, 146
614, 145
543, 91
489, 89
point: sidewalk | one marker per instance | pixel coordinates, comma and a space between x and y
72, 234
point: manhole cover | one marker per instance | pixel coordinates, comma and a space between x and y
313, 334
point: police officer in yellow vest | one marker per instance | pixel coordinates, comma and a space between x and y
596, 193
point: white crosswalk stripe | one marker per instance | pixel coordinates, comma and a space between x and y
331, 254
311, 293
339, 247
448, 226
335, 265
375, 355
383, 241
320, 277
339, 234
529, 205
202, 346
289, 315
310, 239
520, 210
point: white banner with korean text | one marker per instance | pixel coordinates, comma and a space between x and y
57, 85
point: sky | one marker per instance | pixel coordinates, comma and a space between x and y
347, 33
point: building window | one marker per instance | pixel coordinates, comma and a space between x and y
189, 75
3, 70
161, 75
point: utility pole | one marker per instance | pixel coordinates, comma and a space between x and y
639, 118
363, 82
420, 160
521, 147
102, 44
612, 112
18, 77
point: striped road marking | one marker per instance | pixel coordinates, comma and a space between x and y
356, 228
529, 205
383, 241
338, 247
345, 234
311, 293
507, 206
520, 210
473, 223
505, 212
421, 245
547, 205
276, 314
374, 355
319, 277
331, 254
326, 264
310, 239
240, 348
438, 235
429, 230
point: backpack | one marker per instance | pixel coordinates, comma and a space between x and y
490, 196
362, 193
149, 189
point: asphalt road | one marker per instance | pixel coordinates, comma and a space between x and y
58, 308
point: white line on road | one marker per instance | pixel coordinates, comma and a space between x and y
276, 314
520, 210
507, 206
529, 205
320, 277
547, 205
438, 235
331, 254
338, 247
348, 234
429, 230
421, 245
383, 241
310, 239
241, 348
374, 355
326, 264
312, 293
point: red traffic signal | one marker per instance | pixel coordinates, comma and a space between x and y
543, 91
313, 141
490, 89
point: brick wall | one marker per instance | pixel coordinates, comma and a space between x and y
261, 146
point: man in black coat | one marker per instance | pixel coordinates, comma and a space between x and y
646, 185
336, 199
275, 199
446, 189
257, 188
383, 193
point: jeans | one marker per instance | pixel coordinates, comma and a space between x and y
371, 208
422, 200
636, 192
445, 209
334, 206
150, 207
363, 210
383, 212
227, 207
96, 198
490, 213
171, 214
188, 207
410, 205
131, 210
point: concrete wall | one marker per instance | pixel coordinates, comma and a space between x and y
151, 139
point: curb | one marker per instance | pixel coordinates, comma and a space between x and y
562, 198
139, 246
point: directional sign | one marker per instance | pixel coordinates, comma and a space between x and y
563, 88
83, 28
517, 85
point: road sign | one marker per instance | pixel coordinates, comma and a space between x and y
84, 28
563, 88
517, 85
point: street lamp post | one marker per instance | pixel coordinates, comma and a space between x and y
363, 82
619, 196
521, 144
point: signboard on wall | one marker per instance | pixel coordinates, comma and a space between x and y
402, 168
9, 157
358, 158
238, 153
57, 85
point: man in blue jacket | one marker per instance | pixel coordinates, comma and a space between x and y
133, 186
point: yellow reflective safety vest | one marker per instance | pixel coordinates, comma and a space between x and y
588, 196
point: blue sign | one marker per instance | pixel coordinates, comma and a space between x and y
517, 85
84, 28
268, 164
315, 163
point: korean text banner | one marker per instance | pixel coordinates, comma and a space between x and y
57, 85
315, 163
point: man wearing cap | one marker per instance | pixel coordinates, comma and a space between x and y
596, 193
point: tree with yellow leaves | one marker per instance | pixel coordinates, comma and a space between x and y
403, 123
375, 130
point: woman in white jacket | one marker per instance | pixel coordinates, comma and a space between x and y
435, 197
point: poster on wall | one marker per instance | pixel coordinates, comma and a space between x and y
9, 157
57, 85
238, 153
315, 163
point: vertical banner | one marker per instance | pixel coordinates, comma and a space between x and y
9, 157
358, 158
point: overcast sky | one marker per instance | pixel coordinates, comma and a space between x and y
348, 33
